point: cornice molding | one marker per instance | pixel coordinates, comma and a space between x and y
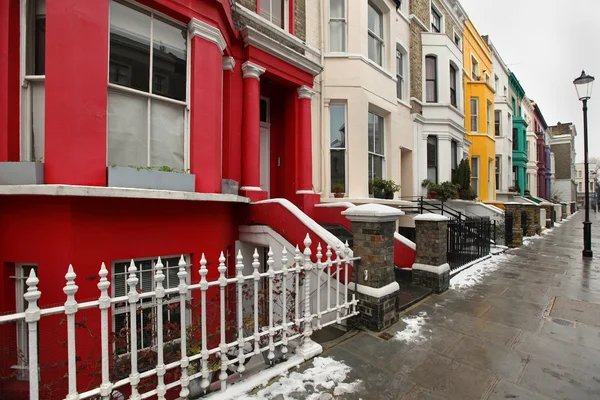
207, 32
304, 92
254, 38
251, 70
228, 63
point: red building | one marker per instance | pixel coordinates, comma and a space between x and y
118, 100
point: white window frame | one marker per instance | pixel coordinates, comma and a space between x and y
375, 35
373, 154
26, 120
456, 84
474, 115
498, 123
498, 174
342, 20
490, 114
22, 332
457, 39
436, 98
401, 61
152, 304
475, 68
150, 95
286, 14
440, 14
339, 149
475, 174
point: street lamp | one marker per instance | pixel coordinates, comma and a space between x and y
583, 86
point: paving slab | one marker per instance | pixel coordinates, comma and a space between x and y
576, 310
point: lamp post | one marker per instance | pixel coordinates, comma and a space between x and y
583, 86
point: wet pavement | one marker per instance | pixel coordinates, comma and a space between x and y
499, 339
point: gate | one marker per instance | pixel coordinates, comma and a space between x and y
468, 241
508, 229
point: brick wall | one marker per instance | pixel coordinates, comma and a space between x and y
300, 19
420, 8
374, 244
416, 60
432, 242
249, 4
562, 159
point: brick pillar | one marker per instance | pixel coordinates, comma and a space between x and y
533, 219
373, 227
565, 213
514, 209
549, 222
431, 268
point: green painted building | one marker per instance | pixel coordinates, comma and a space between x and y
519, 125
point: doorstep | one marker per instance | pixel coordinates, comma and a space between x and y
411, 294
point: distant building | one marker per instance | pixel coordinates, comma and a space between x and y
580, 183
562, 144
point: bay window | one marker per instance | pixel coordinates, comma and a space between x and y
453, 86
474, 114
432, 157
376, 148
475, 174
431, 79
147, 96
337, 144
337, 25
146, 310
375, 34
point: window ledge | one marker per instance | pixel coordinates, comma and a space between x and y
101, 191
404, 103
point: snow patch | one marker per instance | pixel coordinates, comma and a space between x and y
412, 331
375, 292
440, 269
470, 277
325, 375
431, 217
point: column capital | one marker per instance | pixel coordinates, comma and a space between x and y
304, 92
228, 63
251, 70
207, 32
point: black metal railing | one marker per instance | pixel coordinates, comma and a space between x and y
508, 229
468, 241
524, 223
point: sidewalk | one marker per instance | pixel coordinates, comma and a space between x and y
506, 330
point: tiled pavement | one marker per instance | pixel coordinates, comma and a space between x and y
494, 340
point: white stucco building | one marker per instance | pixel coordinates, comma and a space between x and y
580, 181
364, 127
437, 92
531, 172
503, 112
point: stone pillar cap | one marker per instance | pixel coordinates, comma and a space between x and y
372, 213
431, 217
512, 203
546, 203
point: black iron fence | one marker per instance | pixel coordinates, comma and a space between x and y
468, 241
508, 229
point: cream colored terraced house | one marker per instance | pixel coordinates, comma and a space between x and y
364, 128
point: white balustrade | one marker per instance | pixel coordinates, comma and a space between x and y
280, 324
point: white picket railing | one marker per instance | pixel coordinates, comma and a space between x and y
296, 324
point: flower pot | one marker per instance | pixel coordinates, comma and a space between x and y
195, 386
130, 177
389, 195
21, 173
432, 195
338, 195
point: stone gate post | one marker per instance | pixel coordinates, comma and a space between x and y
431, 268
514, 209
373, 227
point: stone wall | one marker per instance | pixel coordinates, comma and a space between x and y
533, 219
517, 232
377, 314
432, 242
439, 282
562, 160
374, 244
300, 19
420, 8
416, 61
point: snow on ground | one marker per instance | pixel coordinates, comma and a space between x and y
471, 276
326, 376
412, 332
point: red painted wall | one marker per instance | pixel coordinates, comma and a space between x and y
76, 92
232, 122
9, 80
404, 256
54, 232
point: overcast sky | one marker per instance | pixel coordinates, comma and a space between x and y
547, 43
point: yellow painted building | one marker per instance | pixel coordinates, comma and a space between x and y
479, 112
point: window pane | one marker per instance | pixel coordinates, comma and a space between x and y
40, 44
371, 132
430, 67
431, 151
338, 168
264, 112
430, 91
265, 9
378, 167
337, 125
130, 44
378, 145
375, 21
127, 131
169, 60
336, 9
277, 12
337, 36
375, 50
166, 137
38, 107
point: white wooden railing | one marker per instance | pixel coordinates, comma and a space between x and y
288, 328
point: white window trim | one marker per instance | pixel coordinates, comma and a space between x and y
441, 14
478, 177
473, 58
476, 115
22, 335
405, 67
499, 120
286, 15
498, 175
455, 34
175, 299
345, 149
376, 36
345, 21
382, 156
149, 94
437, 80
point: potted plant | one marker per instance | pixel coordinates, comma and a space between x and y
468, 194
462, 179
142, 177
443, 191
514, 189
429, 185
384, 189
22, 172
338, 190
